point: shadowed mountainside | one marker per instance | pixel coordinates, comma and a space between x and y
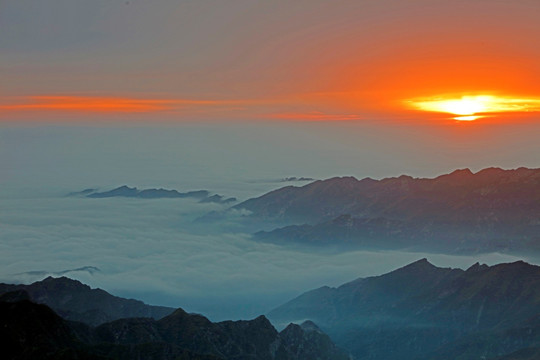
425, 312
34, 331
76, 301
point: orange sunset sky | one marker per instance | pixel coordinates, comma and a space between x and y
268, 60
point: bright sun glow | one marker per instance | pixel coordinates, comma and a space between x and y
468, 107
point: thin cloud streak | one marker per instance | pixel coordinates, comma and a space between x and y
313, 116
103, 104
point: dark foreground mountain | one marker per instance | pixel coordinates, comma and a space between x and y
78, 302
203, 196
464, 212
422, 311
34, 331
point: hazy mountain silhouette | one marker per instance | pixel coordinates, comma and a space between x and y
491, 210
76, 301
132, 192
426, 312
34, 331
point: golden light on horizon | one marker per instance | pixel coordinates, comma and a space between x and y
467, 118
469, 108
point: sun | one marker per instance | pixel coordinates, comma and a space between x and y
472, 107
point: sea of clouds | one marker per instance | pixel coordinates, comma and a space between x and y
154, 249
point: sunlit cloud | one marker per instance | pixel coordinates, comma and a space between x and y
469, 107
89, 104
313, 116
271, 108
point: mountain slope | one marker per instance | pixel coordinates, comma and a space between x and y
420, 308
491, 210
32, 331
78, 302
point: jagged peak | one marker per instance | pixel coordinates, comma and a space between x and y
508, 268
465, 171
178, 313
422, 266
261, 319
368, 180
422, 263
457, 174
309, 325
477, 267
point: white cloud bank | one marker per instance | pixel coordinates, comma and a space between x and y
151, 250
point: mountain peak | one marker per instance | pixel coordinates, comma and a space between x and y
518, 265
419, 264
477, 267
309, 325
459, 174
63, 281
79, 302
261, 320
463, 172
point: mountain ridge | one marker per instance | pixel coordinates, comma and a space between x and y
76, 301
204, 196
461, 212
32, 331
426, 312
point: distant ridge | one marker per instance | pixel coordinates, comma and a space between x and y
421, 311
461, 212
76, 301
203, 196
34, 331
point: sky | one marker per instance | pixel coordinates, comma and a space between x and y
232, 96
303, 60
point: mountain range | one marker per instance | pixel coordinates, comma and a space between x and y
425, 312
203, 196
419, 311
76, 301
34, 331
461, 212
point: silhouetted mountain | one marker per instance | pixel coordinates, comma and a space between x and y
425, 312
84, 192
295, 178
14, 296
34, 331
78, 302
31, 331
219, 199
491, 210
253, 339
126, 191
